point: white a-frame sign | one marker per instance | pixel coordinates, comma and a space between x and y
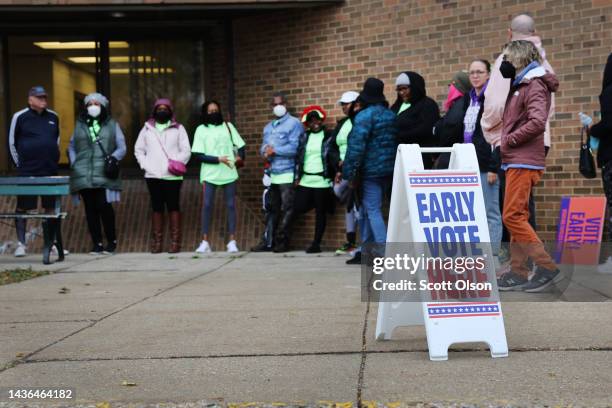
462, 316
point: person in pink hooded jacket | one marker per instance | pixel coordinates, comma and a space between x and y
522, 27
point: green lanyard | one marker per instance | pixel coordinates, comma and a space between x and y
94, 130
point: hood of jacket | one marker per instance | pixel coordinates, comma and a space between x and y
417, 90
549, 79
168, 103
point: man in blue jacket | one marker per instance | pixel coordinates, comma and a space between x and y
370, 159
33, 142
280, 143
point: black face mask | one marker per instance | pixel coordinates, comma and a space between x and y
162, 116
507, 70
214, 118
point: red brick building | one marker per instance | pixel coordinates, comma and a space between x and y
241, 51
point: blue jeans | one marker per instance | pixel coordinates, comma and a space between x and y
490, 193
371, 222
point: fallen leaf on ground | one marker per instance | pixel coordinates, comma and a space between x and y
19, 355
127, 383
64, 290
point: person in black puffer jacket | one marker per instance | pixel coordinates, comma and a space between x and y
416, 113
603, 131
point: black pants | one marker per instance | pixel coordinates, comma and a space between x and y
96, 210
320, 199
282, 210
165, 194
606, 178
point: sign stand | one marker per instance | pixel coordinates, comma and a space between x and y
449, 321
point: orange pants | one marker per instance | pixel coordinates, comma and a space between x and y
525, 242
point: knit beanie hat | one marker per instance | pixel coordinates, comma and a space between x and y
98, 97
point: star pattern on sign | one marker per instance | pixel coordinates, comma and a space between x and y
444, 180
463, 310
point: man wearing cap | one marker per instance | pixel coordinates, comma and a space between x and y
33, 142
341, 190
371, 152
280, 143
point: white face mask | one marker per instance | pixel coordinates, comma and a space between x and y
94, 110
279, 111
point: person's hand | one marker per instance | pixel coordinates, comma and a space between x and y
269, 151
226, 161
338, 178
491, 177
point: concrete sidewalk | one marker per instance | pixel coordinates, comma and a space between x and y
267, 328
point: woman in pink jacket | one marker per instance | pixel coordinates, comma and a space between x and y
161, 141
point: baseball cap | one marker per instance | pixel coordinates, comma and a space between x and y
348, 97
37, 91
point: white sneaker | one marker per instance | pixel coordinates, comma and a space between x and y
20, 251
605, 267
232, 247
203, 248
54, 251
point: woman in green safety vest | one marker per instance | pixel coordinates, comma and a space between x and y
316, 166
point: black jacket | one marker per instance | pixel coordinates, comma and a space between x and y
450, 129
415, 124
329, 154
603, 129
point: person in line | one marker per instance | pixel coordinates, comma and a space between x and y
316, 165
371, 152
161, 140
33, 142
96, 134
220, 148
449, 128
470, 109
523, 159
416, 113
341, 187
522, 27
603, 132
281, 138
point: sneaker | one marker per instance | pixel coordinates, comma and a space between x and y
542, 280
605, 267
20, 251
111, 248
511, 281
204, 248
346, 248
280, 248
54, 251
314, 248
97, 249
232, 247
355, 260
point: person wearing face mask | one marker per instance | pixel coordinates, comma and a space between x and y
449, 128
316, 165
523, 159
161, 140
416, 113
218, 145
33, 142
280, 142
522, 27
341, 187
95, 134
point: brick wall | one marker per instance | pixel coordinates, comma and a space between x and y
315, 55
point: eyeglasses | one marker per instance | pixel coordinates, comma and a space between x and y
477, 73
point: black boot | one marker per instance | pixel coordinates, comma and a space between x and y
57, 238
48, 240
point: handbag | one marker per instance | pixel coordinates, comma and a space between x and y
111, 164
587, 163
175, 167
239, 163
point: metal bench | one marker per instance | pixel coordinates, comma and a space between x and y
41, 186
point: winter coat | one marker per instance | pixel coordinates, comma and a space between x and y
525, 118
372, 144
329, 155
603, 129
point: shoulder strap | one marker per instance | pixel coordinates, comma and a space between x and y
162, 146
230, 133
